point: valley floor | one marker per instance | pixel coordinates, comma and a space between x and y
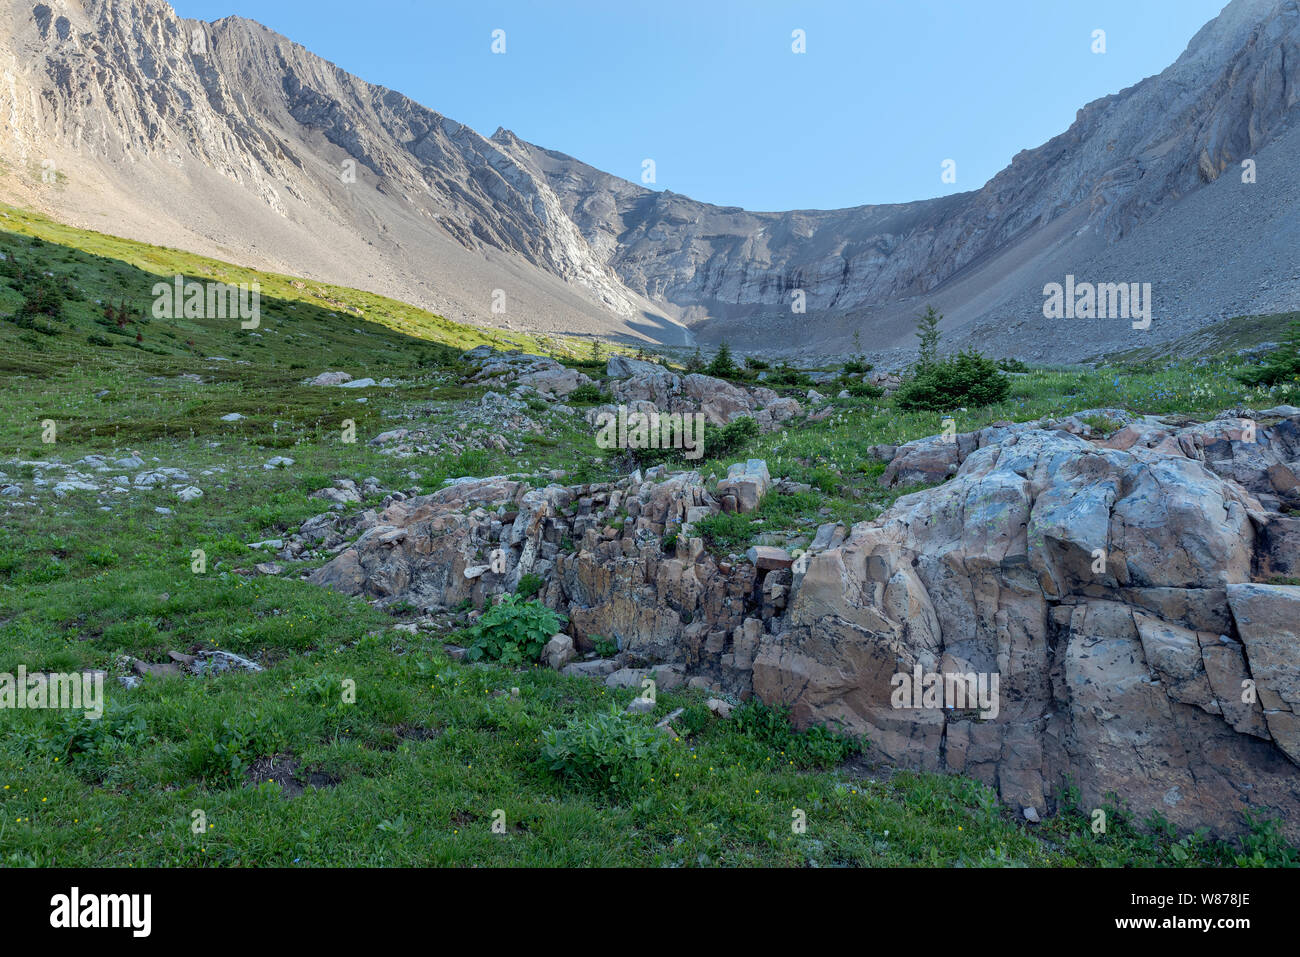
274, 768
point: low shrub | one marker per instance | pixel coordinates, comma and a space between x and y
586, 394
731, 438
864, 390
965, 380
1281, 365
718, 443
787, 375
44, 298
726, 531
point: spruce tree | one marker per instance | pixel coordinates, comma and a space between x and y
927, 330
722, 366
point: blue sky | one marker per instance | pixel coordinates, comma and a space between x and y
712, 92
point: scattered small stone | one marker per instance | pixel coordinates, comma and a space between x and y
719, 707
217, 662
331, 378
596, 668
145, 669
559, 651
626, 678
666, 724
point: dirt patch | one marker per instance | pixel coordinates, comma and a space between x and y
286, 771
865, 768
409, 732
391, 738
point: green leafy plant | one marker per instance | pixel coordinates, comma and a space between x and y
694, 719
604, 647
513, 631
221, 755
609, 750
727, 531
1265, 845
1100, 424
92, 745
817, 747
529, 585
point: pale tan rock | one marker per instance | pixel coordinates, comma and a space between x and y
1268, 619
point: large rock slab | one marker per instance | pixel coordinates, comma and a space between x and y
1051, 564
745, 486
624, 367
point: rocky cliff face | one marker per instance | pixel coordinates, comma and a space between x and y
1125, 157
230, 139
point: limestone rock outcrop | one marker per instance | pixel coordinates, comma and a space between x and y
661, 390
1108, 590
1071, 607
600, 549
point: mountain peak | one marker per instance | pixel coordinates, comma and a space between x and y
162, 133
